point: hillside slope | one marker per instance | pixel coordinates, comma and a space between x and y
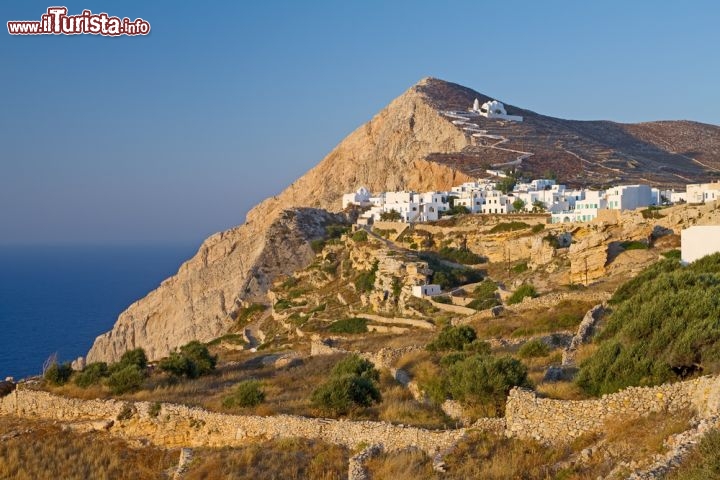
410, 144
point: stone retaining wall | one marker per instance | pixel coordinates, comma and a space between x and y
183, 426
557, 421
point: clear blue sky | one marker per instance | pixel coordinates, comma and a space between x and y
171, 137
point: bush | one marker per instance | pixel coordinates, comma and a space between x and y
360, 236
135, 357
533, 348
664, 326
508, 227
317, 245
341, 394
485, 296
537, 228
353, 383
349, 325
365, 281
128, 379
92, 374
453, 338
447, 276
525, 290
192, 361
519, 267
463, 256
634, 245
651, 213
357, 366
58, 373
485, 380
246, 394
154, 409
391, 216
672, 254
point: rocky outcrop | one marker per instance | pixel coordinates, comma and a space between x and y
202, 299
387, 153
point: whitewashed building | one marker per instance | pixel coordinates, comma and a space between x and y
698, 241
630, 197
494, 109
702, 192
360, 198
429, 290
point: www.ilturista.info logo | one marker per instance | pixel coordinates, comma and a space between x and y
57, 22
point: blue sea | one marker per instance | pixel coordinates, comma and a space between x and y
58, 299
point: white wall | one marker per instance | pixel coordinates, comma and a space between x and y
698, 241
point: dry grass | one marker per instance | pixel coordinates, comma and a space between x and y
566, 315
561, 391
398, 406
42, 450
291, 459
407, 464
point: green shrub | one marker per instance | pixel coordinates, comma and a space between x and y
58, 373
665, 325
519, 267
458, 255
478, 346
508, 227
176, 364
341, 394
537, 228
651, 213
127, 379
634, 245
135, 357
453, 338
245, 394
533, 348
283, 304
391, 216
353, 383
317, 245
525, 290
192, 361
365, 281
444, 299
336, 231
349, 325
447, 276
485, 380
703, 463
360, 236
485, 296
92, 374
357, 366
672, 254
154, 409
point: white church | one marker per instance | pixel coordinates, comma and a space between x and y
494, 109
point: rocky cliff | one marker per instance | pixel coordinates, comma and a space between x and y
199, 301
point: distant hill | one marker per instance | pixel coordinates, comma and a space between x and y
666, 153
410, 144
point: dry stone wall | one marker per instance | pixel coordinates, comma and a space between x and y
183, 426
557, 421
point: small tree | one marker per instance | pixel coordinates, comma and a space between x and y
246, 394
453, 338
58, 374
518, 204
91, 374
353, 383
390, 216
538, 207
128, 379
485, 380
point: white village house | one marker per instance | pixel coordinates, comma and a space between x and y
494, 109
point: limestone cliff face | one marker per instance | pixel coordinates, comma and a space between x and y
387, 153
202, 299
